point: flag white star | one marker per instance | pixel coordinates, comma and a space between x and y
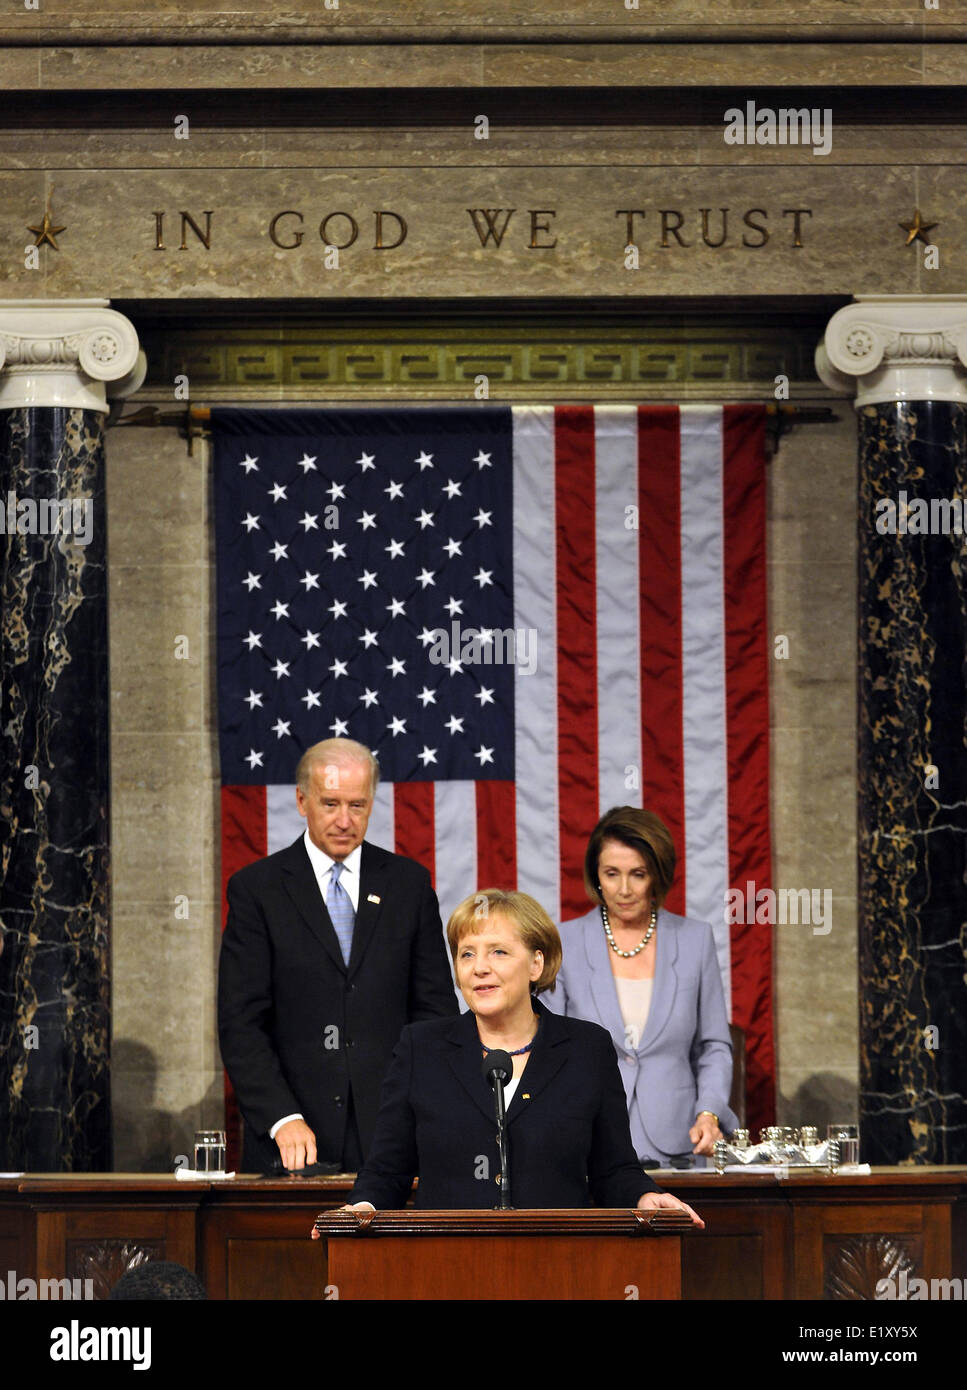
452, 489
338, 608
396, 667
311, 581
454, 666
366, 461
425, 519
454, 607
277, 493
280, 727
395, 549
311, 700
281, 668
428, 636
368, 638
395, 491
396, 608
425, 460
486, 755
254, 639
369, 698
485, 696
367, 579
454, 724
425, 577
483, 518
311, 640
251, 523
397, 726
452, 548
486, 635
281, 610
252, 581
428, 755
482, 460
279, 552
484, 577
339, 727
310, 523
254, 759
337, 550
253, 699
248, 463
307, 462
427, 697
339, 668
367, 521
336, 490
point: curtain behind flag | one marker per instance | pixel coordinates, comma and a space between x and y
530, 614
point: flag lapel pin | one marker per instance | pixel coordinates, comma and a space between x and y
373, 898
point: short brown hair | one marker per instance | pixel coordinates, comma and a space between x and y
535, 929
639, 830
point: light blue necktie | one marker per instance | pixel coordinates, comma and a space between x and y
340, 907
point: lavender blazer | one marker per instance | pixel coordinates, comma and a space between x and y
684, 1062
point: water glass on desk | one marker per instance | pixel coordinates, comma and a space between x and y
209, 1151
848, 1139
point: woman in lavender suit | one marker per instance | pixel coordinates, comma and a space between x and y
652, 979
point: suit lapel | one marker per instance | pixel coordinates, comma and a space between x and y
549, 1054
373, 866
300, 883
666, 981
466, 1062
604, 991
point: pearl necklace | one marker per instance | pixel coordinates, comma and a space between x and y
642, 943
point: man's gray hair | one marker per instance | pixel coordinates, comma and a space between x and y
337, 752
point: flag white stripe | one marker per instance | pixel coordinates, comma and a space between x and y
616, 589
535, 696
382, 821
283, 824
705, 770
455, 819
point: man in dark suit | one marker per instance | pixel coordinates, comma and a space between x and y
331, 947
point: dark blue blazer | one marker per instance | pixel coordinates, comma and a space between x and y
568, 1136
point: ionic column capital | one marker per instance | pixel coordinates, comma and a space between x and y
897, 348
66, 352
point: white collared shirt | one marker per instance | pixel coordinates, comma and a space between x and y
322, 868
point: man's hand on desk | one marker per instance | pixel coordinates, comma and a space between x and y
650, 1201
363, 1211
297, 1144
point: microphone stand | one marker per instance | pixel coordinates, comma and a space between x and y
504, 1203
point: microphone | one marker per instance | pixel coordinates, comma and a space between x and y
498, 1068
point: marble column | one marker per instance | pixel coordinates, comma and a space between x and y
905, 357
56, 360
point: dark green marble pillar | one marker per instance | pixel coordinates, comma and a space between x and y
912, 841
54, 848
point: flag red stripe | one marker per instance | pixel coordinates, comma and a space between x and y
413, 816
747, 720
660, 617
577, 700
244, 838
496, 835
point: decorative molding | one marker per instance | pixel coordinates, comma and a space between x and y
897, 348
855, 1266
66, 352
104, 1261
569, 359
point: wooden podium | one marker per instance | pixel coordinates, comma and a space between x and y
574, 1254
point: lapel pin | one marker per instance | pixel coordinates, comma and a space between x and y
526, 1095
373, 898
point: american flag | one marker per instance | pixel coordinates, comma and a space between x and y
530, 614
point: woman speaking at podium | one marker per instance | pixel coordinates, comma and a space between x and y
566, 1118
